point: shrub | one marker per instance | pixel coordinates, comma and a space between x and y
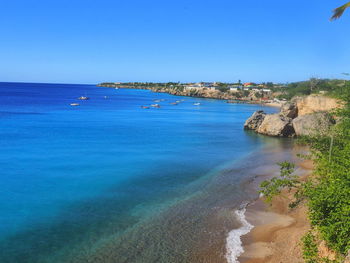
274, 186
310, 251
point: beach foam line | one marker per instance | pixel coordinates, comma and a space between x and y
234, 245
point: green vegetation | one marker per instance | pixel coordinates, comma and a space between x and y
273, 187
223, 89
310, 250
246, 93
338, 12
313, 86
327, 191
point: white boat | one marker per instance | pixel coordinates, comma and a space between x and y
116, 88
74, 104
83, 98
155, 105
196, 104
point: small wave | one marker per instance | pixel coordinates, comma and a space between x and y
234, 246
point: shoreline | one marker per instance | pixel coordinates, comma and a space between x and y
208, 95
277, 230
233, 241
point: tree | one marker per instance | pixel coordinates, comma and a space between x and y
269, 84
223, 89
338, 12
246, 93
313, 83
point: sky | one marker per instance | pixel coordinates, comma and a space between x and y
85, 41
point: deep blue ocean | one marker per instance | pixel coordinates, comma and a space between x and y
108, 181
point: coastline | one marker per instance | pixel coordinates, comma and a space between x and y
232, 242
277, 229
273, 104
207, 94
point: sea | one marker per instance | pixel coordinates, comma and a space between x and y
110, 181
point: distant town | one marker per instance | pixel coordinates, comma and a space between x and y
233, 92
223, 87
247, 92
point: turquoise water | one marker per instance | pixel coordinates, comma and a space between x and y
108, 181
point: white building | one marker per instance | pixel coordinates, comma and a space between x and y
201, 85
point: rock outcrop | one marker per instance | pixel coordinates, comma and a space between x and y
289, 110
313, 124
276, 125
315, 103
302, 116
201, 93
255, 120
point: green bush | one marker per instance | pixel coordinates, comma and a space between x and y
310, 250
286, 179
223, 89
328, 193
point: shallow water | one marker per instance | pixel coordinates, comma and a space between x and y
108, 181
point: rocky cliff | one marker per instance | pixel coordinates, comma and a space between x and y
308, 115
202, 93
246, 97
314, 103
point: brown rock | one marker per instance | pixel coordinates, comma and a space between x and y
312, 124
276, 125
325, 252
289, 110
315, 103
254, 122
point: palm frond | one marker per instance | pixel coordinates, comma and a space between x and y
338, 12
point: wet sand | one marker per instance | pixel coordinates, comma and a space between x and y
278, 229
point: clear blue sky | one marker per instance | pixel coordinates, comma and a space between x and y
83, 41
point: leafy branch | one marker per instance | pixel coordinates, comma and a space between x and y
286, 179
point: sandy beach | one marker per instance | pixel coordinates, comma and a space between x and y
277, 229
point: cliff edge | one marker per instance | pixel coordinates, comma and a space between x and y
309, 115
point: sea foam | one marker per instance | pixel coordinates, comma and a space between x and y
234, 246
